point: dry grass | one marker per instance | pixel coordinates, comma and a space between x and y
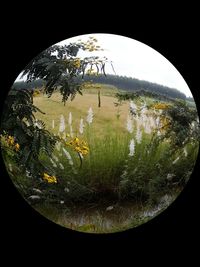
105, 117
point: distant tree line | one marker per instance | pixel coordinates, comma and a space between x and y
121, 82
132, 84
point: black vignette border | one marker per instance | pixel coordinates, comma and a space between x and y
180, 50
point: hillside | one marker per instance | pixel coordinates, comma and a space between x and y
120, 82
132, 84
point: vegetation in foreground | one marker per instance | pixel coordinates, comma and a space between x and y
91, 160
128, 151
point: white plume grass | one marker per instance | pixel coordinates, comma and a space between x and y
90, 115
68, 156
62, 124
129, 125
81, 126
132, 148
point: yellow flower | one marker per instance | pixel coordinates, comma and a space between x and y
69, 143
17, 146
49, 179
161, 106
45, 175
36, 93
165, 122
76, 141
85, 148
10, 140
78, 149
77, 63
85, 151
53, 179
80, 146
84, 143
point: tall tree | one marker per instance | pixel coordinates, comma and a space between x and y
57, 66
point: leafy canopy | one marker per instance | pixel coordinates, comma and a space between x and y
59, 65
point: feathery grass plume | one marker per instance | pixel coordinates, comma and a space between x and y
90, 115
143, 120
133, 108
34, 197
70, 119
36, 190
129, 125
61, 166
38, 124
28, 174
58, 146
81, 126
62, 124
139, 122
144, 108
64, 136
131, 148
68, 156
66, 189
55, 158
152, 122
158, 133
158, 122
185, 151
136, 119
53, 124
175, 161
193, 125
53, 163
109, 208
170, 176
147, 128
138, 135
10, 167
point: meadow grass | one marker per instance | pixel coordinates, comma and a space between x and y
107, 175
108, 140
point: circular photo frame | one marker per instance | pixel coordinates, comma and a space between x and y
100, 133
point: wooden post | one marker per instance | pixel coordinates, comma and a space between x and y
99, 99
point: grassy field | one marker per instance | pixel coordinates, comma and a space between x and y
125, 177
105, 117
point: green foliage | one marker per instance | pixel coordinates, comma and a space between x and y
58, 66
152, 172
19, 121
184, 124
143, 93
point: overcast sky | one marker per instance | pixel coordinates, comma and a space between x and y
132, 58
